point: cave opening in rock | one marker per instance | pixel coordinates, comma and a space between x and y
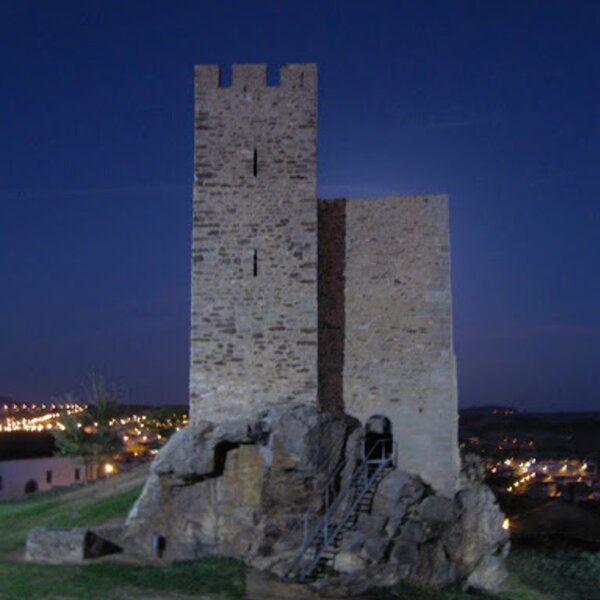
220, 456
378, 440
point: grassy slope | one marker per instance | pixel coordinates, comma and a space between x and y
560, 573
219, 577
50, 510
91, 504
94, 504
534, 574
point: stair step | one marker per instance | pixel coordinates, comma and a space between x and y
358, 495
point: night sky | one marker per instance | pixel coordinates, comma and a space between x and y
495, 103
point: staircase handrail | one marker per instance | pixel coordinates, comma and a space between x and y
345, 517
331, 508
303, 519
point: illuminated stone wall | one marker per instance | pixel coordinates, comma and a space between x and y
341, 303
254, 277
398, 354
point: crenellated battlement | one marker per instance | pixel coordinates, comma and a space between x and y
291, 76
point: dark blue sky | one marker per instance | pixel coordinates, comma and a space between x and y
495, 103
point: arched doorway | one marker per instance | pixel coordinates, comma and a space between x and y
379, 443
31, 486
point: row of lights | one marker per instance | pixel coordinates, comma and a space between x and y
526, 472
45, 422
36, 407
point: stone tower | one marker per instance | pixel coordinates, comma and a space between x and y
254, 254
385, 325
344, 304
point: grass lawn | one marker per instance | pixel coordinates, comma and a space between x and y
95, 504
559, 573
217, 577
17, 518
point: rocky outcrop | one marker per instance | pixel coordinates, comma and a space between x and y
414, 534
239, 487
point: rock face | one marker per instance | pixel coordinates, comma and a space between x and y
415, 535
238, 488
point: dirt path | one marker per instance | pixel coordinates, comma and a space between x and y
102, 488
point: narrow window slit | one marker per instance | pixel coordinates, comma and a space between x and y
255, 264
255, 166
302, 79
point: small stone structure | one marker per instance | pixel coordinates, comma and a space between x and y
62, 545
341, 304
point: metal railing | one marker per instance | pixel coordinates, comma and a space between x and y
327, 491
320, 537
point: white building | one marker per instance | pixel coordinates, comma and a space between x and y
24, 476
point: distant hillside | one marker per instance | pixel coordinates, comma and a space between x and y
574, 432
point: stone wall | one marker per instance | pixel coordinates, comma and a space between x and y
398, 353
254, 288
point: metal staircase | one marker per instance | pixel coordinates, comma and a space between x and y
340, 512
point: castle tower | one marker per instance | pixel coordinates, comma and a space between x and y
385, 325
254, 272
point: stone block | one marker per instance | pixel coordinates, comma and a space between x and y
404, 553
371, 524
436, 509
352, 541
490, 574
412, 531
396, 492
57, 546
188, 453
373, 549
348, 562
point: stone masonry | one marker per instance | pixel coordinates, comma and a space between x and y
398, 359
254, 281
344, 304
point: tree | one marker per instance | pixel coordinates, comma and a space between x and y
90, 435
164, 421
